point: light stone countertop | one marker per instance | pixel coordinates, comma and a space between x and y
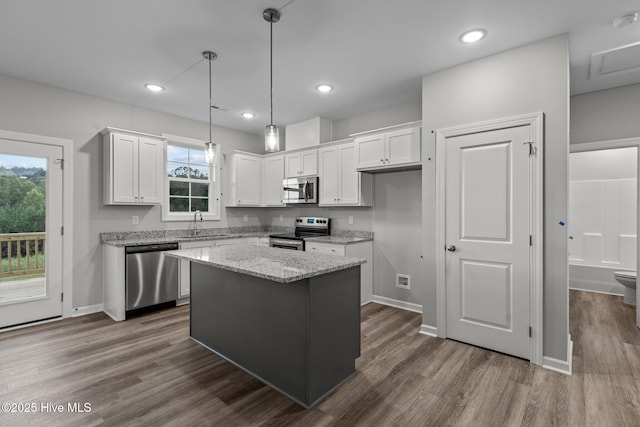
339, 240
278, 265
170, 239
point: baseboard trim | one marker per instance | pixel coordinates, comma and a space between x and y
561, 366
89, 309
431, 331
417, 308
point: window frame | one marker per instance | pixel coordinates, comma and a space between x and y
215, 195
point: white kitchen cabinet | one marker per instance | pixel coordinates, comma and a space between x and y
184, 287
244, 175
388, 149
301, 163
133, 168
341, 183
272, 177
358, 250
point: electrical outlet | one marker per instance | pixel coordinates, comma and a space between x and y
135, 220
281, 218
403, 281
245, 218
350, 219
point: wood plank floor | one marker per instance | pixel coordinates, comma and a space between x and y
147, 372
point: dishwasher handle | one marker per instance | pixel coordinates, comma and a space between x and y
159, 247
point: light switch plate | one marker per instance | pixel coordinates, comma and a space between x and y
350, 219
135, 220
245, 218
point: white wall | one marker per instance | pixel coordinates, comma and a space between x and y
44, 110
398, 114
605, 115
524, 80
397, 218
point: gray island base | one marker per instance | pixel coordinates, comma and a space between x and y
301, 337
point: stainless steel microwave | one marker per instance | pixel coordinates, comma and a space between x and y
300, 190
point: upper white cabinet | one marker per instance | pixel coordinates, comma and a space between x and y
301, 163
388, 149
272, 176
244, 175
132, 167
341, 183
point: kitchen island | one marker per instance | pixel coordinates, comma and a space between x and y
289, 318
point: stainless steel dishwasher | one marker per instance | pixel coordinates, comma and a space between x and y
151, 277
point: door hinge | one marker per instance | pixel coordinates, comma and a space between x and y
531, 151
61, 296
61, 161
530, 331
62, 231
530, 240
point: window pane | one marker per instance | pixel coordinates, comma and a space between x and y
177, 188
177, 154
199, 205
177, 170
178, 204
196, 157
199, 172
199, 190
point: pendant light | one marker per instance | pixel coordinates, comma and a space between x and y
271, 132
209, 146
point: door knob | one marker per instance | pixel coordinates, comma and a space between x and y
451, 248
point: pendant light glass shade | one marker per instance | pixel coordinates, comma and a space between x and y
271, 131
210, 152
271, 138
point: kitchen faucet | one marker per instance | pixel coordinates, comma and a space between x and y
195, 224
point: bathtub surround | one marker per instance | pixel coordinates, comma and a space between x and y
602, 218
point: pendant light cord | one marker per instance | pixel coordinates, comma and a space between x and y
210, 59
271, 67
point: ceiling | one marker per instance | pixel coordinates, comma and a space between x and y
373, 52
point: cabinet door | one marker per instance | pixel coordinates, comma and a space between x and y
326, 248
248, 177
272, 182
309, 162
370, 151
403, 146
150, 171
349, 182
329, 178
125, 168
292, 167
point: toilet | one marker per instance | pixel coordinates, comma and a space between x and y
628, 279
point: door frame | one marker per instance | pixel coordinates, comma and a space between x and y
67, 207
536, 123
612, 144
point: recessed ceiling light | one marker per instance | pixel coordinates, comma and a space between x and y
624, 20
248, 115
324, 88
473, 36
154, 87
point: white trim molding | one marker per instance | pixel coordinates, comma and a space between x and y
535, 121
561, 366
89, 309
409, 306
67, 207
431, 331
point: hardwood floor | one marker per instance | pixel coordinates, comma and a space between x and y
147, 372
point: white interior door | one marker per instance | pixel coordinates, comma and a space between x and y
31, 240
487, 216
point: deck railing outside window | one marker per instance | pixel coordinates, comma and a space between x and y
21, 254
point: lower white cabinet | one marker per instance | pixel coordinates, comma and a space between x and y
184, 287
357, 250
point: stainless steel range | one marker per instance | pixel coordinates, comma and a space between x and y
306, 226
